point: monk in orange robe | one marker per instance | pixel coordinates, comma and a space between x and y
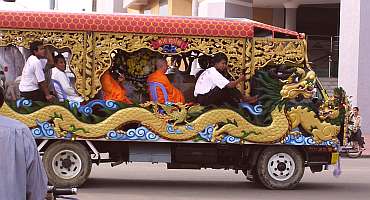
159, 76
113, 89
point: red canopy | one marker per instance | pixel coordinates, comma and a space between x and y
124, 23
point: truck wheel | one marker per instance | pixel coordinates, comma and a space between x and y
67, 164
280, 167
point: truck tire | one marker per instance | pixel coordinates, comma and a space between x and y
67, 164
280, 167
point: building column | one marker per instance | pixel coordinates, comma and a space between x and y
180, 7
290, 14
354, 47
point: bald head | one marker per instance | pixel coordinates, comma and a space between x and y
161, 64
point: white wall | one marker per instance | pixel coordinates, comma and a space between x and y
354, 62
104, 6
212, 8
225, 8
203, 9
73, 5
19, 5
363, 88
349, 41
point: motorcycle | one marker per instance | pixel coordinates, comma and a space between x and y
351, 150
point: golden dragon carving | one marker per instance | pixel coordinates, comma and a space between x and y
64, 120
321, 131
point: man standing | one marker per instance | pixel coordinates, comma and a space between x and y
159, 76
22, 173
33, 85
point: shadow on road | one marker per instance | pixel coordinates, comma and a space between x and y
101, 183
158, 184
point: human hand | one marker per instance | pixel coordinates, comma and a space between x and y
242, 78
50, 98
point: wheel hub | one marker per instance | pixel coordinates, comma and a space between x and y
67, 164
281, 166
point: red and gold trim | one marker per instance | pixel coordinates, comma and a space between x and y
134, 24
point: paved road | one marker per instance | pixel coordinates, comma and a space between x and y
147, 181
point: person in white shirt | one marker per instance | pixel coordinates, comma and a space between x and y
212, 88
33, 85
355, 128
58, 74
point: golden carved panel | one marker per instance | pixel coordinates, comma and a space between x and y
277, 51
248, 65
75, 41
107, 42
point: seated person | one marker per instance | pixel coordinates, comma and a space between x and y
355, 128
159, 76
33, 85
113, 89
203, 62
212, 88
58, 74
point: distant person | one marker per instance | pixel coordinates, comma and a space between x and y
33, 85
22, 174
58, 74
212, 88
355, 127
159, 76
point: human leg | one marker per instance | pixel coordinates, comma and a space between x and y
36, 95
217, 96
359, 139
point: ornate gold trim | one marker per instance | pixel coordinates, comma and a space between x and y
107, 42
277, 51
75, 41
